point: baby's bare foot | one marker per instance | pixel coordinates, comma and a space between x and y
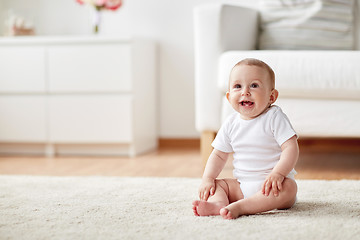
232, 210
203, 208
226, 214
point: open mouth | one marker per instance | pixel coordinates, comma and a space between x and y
246, 103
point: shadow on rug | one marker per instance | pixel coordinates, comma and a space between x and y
160, 208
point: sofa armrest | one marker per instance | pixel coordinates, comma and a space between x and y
218, 28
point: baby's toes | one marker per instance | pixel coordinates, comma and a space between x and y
194, 207
225, 213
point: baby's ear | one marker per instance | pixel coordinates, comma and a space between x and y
228, 96
274, 95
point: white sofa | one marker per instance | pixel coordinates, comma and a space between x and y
319, 90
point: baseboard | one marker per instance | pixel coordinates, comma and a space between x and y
179, 143
306, 144
330, 144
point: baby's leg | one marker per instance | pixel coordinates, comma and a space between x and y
226, 191
260, 203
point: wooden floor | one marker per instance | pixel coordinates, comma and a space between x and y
318, 160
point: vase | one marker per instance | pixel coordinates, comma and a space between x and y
96, 20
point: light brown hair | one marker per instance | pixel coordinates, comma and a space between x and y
259, 63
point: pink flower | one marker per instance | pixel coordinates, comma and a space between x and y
113, 4
103, 4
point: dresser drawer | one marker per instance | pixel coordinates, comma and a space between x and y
90, 119
22, 69
90, 68
22, 119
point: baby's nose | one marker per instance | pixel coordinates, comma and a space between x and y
245, 91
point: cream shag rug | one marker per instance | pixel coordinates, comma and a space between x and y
160, 208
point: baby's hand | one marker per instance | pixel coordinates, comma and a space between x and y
206, 189
273, 183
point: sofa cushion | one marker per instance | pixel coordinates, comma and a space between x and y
304, 74
316, 117
306, 25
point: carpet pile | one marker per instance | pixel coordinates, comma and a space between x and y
39, 207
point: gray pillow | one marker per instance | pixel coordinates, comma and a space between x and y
307, 25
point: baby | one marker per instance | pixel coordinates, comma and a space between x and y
264, 145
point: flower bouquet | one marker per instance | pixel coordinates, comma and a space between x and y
100, 5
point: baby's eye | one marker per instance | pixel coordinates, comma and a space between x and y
237, 86
254, 85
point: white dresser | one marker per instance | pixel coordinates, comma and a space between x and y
77, 95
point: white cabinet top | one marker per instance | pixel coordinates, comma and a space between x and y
49, 40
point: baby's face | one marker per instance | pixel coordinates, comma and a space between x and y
250, 91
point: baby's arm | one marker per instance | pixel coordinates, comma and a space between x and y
214, 166
288, 159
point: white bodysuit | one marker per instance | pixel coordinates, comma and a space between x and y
256, 144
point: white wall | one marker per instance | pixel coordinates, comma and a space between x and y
168, 22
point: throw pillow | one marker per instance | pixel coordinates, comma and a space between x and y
307, 25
